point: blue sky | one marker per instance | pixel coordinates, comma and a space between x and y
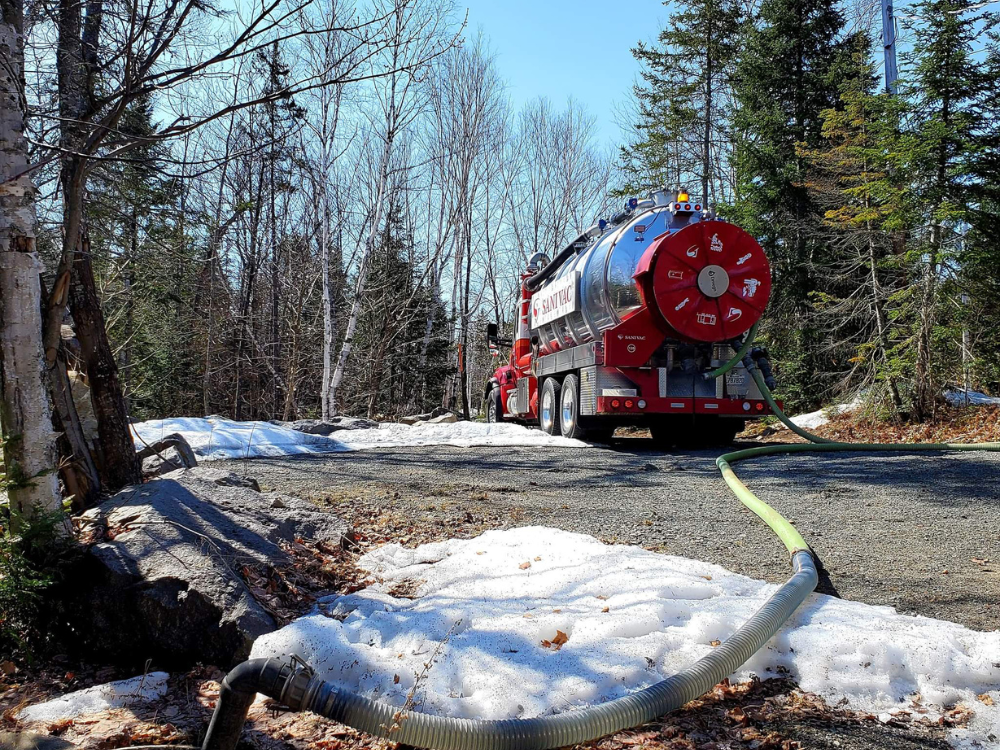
559, 49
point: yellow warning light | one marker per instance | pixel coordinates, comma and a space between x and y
682, 196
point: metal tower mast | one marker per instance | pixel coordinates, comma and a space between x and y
889, 46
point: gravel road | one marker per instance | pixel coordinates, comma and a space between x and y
918, 532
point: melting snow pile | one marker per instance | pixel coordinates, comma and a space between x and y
460, 434
141, 689
501, 605
970, 398
815, 419
216, 438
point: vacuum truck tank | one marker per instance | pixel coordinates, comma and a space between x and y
621, 326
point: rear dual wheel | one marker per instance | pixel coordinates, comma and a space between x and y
574, 425
549, 406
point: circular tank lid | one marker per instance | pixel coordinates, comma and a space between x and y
711, 281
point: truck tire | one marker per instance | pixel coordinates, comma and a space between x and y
494, 406
548, 407
569, 409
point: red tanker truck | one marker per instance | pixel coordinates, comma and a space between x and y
622, 326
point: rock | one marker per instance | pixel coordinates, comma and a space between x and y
29, 741
170, 453
169, 459
220, 477
319, 427
414, 418
166, 584
448, 418
440, 411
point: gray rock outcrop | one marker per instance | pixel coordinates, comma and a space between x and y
165, 583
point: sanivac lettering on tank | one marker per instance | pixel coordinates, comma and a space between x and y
554, 301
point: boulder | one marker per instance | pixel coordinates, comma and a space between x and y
414, 418
165, 583
171, 453
29, 741
447, 418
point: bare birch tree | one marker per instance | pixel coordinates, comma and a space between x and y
416, 35
29, 443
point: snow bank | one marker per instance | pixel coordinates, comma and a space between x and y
970, 398
631, 618
815, 419
141, 689
216, 438
460, 434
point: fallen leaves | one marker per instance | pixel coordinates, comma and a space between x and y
556, 643
525, 565
985, 699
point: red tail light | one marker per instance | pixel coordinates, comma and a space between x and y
629, 404
615, 404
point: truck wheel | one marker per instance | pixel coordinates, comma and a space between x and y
494, 406
569, 409
548, 407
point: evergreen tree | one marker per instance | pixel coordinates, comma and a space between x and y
684, 107
947, 90
143, 265
855, 179
784, 81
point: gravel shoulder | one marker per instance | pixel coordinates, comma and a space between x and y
919, 532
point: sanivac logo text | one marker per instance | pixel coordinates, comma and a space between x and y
554, 301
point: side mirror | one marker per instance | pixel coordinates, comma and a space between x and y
492, 335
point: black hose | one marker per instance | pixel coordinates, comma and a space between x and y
238, 690
532, 283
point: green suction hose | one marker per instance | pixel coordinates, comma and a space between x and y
791, 538
740, 353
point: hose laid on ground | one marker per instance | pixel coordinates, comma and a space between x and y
296, 686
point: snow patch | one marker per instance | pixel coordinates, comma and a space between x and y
632, 618
217, 438
141, 689
970, 398
460, 434
815, 419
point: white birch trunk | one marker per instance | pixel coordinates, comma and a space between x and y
30, 453
326, 400
362, 280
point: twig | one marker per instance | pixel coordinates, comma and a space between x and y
400, 715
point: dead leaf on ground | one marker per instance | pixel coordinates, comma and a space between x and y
985, 698
557, 643
525, 565
715, 643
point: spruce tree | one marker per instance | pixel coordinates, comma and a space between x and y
684, 104
784, 81
948, 89
856, 179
